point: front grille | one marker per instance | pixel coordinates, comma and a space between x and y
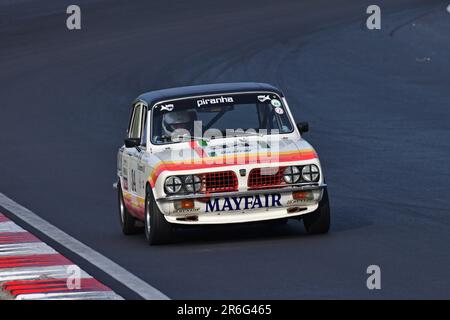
261, 178
222, 181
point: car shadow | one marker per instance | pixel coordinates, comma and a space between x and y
258, 231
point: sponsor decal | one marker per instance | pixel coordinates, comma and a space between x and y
208, 101
187, 210
263, 98
227, 150
294, 202
167, 107
119, 162
279, 110
125, 168
243, 203
275, 103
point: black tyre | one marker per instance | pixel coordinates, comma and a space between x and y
318, 222
157, 229
127, 221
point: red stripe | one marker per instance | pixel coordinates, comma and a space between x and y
17, 237
3, 218
51, 285
36, 260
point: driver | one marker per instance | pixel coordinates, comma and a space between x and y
177, 124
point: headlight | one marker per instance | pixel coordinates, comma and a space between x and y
310, 173
291, 174
192, 183
173, 184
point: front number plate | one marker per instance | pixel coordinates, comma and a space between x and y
249, 202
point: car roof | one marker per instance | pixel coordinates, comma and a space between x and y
153, 97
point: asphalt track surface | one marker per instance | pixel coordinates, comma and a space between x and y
377, 103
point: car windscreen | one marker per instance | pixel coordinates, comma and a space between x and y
191, 118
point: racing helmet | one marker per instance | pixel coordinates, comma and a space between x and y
177, 120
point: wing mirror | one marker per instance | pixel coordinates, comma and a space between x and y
303, 127
132, 142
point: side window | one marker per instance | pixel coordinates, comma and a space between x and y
136, 122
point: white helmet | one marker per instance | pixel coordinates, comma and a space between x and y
177, 120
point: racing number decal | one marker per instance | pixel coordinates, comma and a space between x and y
133, 180
125, 173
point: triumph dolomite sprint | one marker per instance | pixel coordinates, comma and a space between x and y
217, 154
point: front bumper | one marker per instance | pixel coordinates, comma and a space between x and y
244, 206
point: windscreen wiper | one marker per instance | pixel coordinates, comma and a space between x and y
169, 138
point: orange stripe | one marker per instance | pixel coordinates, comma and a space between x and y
211, 162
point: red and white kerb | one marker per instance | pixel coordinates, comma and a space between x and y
32, 270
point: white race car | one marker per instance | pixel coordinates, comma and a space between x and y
217, 154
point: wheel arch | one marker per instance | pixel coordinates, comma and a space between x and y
148, 187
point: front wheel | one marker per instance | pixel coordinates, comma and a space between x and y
157, 229
318, 222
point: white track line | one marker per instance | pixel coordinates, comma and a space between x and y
117, 272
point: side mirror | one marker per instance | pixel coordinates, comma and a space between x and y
303, 127
132, 142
